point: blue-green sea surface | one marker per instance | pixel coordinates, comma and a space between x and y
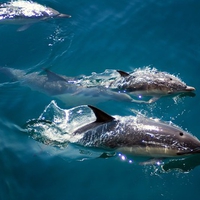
100, 35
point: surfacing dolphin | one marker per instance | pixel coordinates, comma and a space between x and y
150, 82
121, 86
137, 136
26, 13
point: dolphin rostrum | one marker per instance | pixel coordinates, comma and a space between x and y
26, 13
136, 135
122, 86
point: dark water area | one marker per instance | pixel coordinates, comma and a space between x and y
100, 35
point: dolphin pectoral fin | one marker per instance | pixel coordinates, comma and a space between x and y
153, 161
123, 73
100, 115
153, 99
140, 101
24, 27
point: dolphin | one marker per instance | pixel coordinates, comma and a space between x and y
69, 90
136, 135
26, 13
150, 82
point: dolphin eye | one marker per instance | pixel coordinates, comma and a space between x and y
181, 133
170, 79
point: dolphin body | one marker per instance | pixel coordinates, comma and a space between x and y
26, 13
67, 89
137, 136
150, 82
141, 83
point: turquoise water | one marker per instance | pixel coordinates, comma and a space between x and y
100, 35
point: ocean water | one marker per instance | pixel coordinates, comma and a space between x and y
100, 35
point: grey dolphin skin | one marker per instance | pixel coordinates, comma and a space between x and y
26, 13
136, 135
140, 83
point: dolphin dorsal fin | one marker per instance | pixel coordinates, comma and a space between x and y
100, 115
53, 76
122, 73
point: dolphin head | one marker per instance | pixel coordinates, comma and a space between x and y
182, 142
174, 85
159, 139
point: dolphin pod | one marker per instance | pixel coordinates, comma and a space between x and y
134, 135
133, 87
26, 13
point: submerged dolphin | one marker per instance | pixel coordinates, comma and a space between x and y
26, 13
67, 89
146, 82
136, 135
